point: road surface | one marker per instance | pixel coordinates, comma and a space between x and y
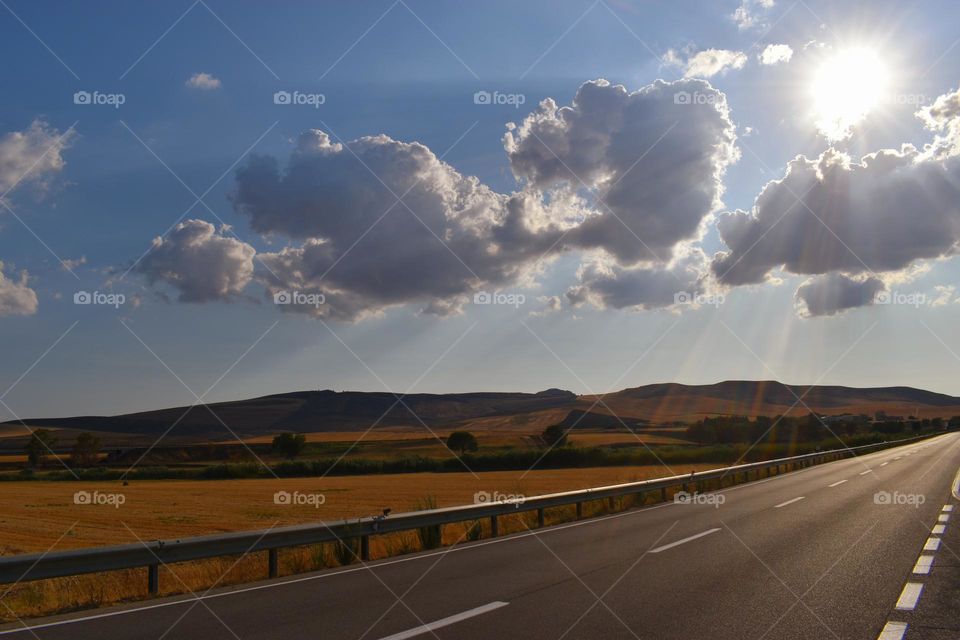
825, 552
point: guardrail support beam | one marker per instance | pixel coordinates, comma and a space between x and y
153, 579
579, 511
364, 548
540, 518
273, 560
494, 530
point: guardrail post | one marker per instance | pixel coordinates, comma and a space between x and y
494, 530
153, 579
579, 510
364, 548
663, 494
540, 517
273, 562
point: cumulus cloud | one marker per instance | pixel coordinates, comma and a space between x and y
706, 63
449, 236
775, 54
550, 304
656, 157
751, 13
31, 155
943, 116
605, 284
16, 298
200, 261
833, 214
835, 293
845, 219
583, 175
203, 81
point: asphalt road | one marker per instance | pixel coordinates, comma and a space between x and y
810, 554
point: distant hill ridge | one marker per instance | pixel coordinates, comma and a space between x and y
327, 410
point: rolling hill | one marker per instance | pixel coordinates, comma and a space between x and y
649, 405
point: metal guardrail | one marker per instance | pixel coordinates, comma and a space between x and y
152, 555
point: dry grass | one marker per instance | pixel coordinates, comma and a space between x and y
37, 516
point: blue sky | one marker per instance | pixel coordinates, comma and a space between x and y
117, 178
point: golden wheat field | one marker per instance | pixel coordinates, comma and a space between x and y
39, 516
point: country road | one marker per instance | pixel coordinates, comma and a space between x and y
809, 554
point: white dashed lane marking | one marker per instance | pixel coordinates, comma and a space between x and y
893, 631
783, 504
684, 540
909, 596
943, 517
923, 564
932, 544
948, 507
837, 483
863, 473
938, 529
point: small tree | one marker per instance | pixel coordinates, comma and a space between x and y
86, 450
554, 435
462, 441
290, 444
40, 444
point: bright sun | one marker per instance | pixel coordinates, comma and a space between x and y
846, 87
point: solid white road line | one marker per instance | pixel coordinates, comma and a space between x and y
863, 473
948, 507
883, 464
783, 504
909, 596
932, 544
684, 541
446, 622
893, 631
923, 564
836, 483
943, 517
938, 529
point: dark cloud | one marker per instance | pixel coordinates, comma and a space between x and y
835, 293
656, 157
832, 214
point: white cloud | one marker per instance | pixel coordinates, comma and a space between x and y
16, 298
706, 63
31, 155
751, 13
946, 294
775, 54
203, 81
28, 157
201, 262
